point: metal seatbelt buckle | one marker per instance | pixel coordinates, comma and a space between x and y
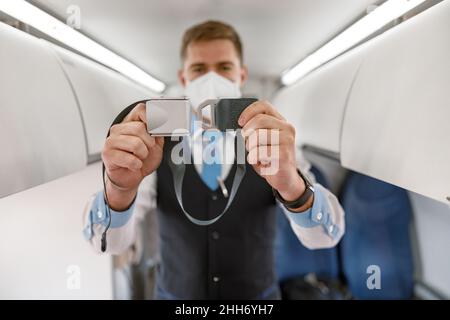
225, 112
168, 117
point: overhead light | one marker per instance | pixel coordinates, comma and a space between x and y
375, 20
38, 19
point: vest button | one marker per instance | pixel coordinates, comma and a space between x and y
214, 197
216, 279
215, 235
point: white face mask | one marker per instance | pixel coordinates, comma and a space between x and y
211, 86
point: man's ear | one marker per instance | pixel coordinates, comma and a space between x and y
244, 74
181, 78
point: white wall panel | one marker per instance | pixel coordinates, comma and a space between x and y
41, 134
42, 237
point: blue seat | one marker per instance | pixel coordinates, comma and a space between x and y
378, 217
293, 260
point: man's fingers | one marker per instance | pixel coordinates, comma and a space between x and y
122, 159
137, 114
266, 153
134, 128
258, 107
263, 121
263, 154
265, 160
128, 143
159, 141
262, 137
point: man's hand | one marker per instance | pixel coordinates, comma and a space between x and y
270, 142
129, 155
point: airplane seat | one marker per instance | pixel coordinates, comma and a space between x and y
376, 251
293, 261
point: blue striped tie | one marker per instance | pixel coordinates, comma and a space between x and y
211, 171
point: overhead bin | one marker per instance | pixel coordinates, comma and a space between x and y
101, 93
316, 104
397, 121
41, 133
384, 107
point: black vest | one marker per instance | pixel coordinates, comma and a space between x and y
232, 258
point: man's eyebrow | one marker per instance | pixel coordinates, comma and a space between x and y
225, 62
198, 64
220, 63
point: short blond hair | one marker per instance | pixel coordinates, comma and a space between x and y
211, 30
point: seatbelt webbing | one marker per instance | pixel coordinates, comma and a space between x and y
178, 171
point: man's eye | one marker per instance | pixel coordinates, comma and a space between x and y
227, 68
197, 70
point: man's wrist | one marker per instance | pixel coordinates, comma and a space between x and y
300, 191
306, 206
119, 199
296, 189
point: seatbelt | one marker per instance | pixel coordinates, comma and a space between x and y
178, 171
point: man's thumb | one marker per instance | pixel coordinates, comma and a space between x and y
137, 114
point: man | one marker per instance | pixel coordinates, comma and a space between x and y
232, 258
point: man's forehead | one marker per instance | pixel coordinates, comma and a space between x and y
211, 52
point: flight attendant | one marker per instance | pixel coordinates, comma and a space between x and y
232, 258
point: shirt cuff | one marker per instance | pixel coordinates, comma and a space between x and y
99, 215
318, 214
